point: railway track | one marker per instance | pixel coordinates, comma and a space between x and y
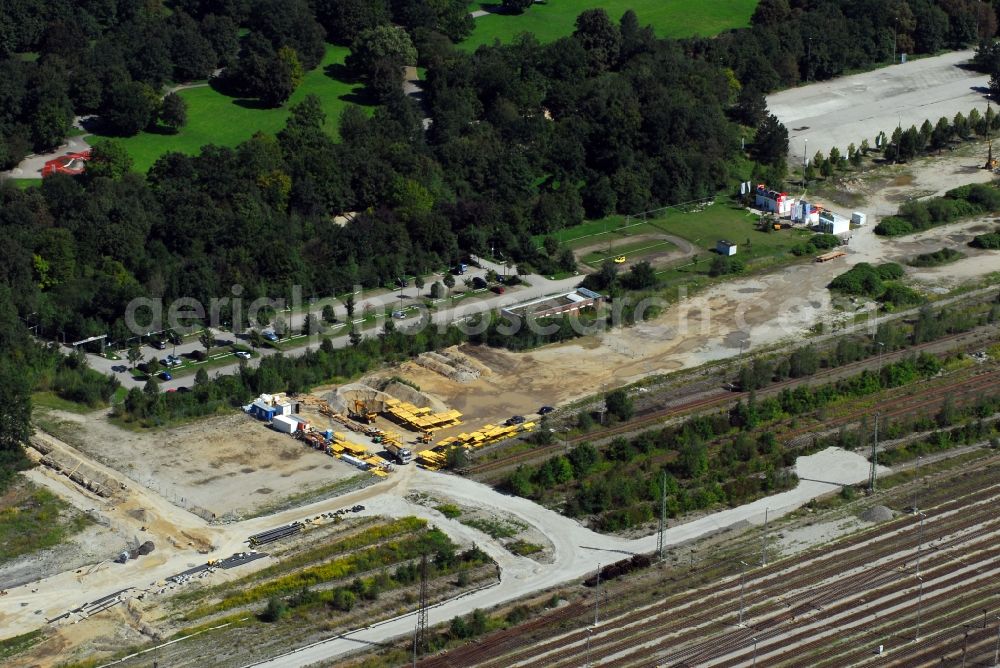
798, 585
833, 599
714, 400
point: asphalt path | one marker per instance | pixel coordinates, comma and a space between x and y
480, 301
849, 109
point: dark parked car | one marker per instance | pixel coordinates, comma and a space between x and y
159, 344
478, 282
545, 410
165, 375
516, 419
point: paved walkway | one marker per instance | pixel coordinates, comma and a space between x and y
849, 109
31, 166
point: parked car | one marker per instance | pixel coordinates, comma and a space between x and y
402, 283
499, 289
478, 282
516, 419
460, 269
242, 354
399, 315
159, 344
620, 259
545, 410
165, 375
271, 336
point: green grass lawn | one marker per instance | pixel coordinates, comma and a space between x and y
555, 19
635, 250
214, 118
722, 221
32, 518
603, 230
54, 401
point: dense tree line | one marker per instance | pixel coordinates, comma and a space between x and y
609, 119
794, 41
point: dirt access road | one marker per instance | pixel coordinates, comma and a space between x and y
849, 109
578, 550
761, 311
185, 540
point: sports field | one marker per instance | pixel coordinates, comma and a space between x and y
596, 240
214, 118
632, 250
554, 19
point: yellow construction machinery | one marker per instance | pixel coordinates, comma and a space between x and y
362, 412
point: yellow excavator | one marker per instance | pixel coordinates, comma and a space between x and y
362, 413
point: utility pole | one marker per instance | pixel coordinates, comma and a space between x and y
871, 484
805, 160
597, 596
895, 27
996, 651
743, 566
663, 515
754, 652
763, 546
920, 602
920, 549
420, 633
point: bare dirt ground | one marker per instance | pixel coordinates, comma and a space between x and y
227, 465
763, 309
881, 191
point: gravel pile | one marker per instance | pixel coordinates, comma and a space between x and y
877, 514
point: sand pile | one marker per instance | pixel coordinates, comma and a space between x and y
877, 514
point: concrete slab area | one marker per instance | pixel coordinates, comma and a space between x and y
849, 109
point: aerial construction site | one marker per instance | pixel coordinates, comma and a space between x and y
786, 455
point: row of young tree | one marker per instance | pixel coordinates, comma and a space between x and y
726, 458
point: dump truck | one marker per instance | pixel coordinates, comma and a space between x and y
399, 453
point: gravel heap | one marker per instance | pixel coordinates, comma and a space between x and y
877, 514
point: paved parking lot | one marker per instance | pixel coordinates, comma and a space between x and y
849, 109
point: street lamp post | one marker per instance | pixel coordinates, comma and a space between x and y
805, 159
881, 347
754, 652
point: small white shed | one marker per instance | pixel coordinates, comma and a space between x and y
723, 247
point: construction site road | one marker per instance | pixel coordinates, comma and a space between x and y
577, 550
850, 109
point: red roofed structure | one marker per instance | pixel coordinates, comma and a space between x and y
71, 163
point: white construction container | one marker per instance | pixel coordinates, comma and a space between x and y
364, 466
859, 218
285, 424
